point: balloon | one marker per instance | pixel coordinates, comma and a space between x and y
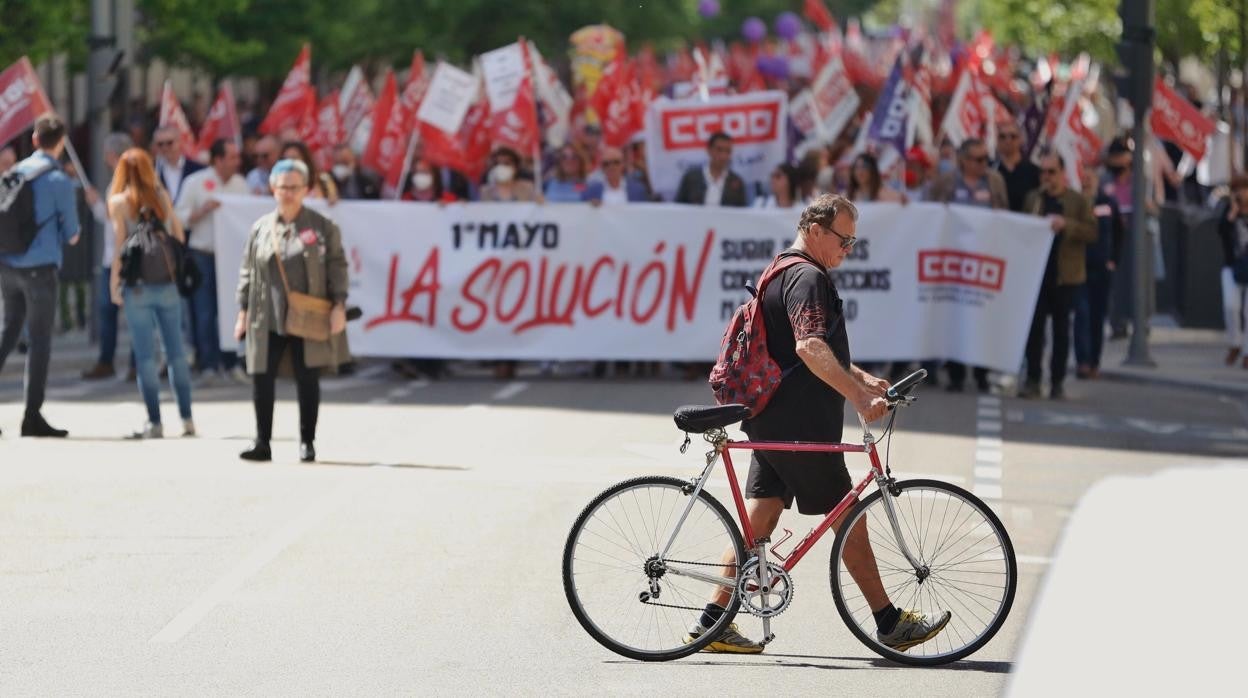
788, 26
774, 67
708, 8
754, 30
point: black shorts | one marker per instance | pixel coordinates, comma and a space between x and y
819, 480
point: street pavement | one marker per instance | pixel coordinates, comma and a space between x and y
421, 555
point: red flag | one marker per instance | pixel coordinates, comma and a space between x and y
222, 121
615, 100
172, 116
322, 130
465, 151
516, 126
381, 115
1175, 119
291, 104
357, 103
397, 131
22, 99
818, 13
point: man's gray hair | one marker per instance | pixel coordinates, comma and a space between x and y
118, 143
824, 209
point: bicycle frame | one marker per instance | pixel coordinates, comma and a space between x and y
723, 447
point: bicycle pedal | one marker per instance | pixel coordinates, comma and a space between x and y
766, 640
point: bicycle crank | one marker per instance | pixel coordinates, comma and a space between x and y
766, 595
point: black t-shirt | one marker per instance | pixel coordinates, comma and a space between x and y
1022, 179
799, 303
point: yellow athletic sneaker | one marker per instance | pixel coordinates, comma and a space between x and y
730, 641
914, 628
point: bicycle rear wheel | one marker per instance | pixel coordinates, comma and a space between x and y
625, 597
969, 563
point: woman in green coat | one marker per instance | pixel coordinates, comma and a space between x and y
312, 258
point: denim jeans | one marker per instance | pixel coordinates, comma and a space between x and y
1090, 307
203, 303
30, 302
152, 309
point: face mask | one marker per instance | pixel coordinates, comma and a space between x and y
503, 174
422, 180
824, 180
342, 171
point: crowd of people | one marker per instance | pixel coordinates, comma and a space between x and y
1078, 301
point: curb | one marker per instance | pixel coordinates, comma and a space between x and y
1132, 376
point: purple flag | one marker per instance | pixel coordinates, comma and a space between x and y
1031, 122
888, 122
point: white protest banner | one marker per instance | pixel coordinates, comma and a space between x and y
658, 281
450, 94
677, 131
503, 69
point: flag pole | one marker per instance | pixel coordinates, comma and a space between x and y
537, 140
413, 137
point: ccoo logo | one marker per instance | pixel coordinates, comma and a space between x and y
690, 128
961, 268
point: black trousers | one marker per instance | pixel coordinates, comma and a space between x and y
1055, 302
957, 374
29, 297
307, 389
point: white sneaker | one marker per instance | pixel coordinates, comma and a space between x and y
149, 431
188, 428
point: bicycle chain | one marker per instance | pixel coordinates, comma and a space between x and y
698, 564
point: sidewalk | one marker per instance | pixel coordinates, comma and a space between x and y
1187, 358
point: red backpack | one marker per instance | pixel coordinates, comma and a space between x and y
745, 373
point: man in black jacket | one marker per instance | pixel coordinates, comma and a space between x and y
353, 182
171, 164
714, 184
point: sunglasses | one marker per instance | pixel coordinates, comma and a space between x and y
163, 144
1049, 170
982, 159
847, 241
1010, 136
608, 163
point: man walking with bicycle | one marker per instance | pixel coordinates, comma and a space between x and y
806, 336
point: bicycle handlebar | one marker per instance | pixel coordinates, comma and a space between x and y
901, 389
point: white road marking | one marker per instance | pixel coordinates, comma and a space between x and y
510, 390
988, 467
253, 563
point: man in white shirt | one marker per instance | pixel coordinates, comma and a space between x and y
265, 153
171, 163
114, 145
196, 209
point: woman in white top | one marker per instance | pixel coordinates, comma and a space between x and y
783, 189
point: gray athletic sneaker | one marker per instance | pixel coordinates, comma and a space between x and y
914, 628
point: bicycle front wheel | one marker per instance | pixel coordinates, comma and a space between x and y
628, 595
966, 567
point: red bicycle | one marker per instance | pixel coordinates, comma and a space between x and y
645, 555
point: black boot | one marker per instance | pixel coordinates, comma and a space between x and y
259, 452
35, 425
307, 452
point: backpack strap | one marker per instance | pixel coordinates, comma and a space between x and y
778, 265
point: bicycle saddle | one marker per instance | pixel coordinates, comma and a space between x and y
702, 418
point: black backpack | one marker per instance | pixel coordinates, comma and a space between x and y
18, 226
151, 239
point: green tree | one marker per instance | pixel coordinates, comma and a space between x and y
40, 29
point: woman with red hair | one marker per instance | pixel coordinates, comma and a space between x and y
148, 295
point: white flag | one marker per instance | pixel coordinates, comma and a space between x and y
450, 94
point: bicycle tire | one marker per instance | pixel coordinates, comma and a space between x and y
939, 590
593, 626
